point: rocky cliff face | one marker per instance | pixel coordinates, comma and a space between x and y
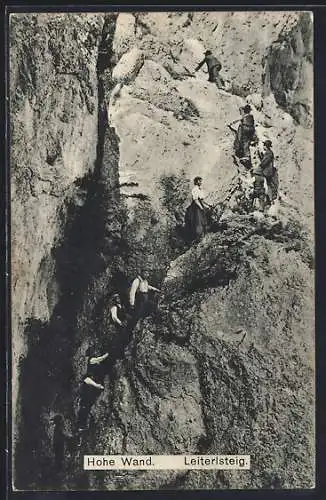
56, 149
53, 105
109, 127
182, 121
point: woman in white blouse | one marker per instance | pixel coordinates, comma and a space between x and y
196, 218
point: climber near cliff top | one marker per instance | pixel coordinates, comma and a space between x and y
214, 67
139, 296
196, 222
91, 387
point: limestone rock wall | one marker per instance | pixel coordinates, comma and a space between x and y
53, 139
287, 66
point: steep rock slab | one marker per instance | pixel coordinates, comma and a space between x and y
239, 39
128, 66
124, 36
158, 384
166, 126
53, 111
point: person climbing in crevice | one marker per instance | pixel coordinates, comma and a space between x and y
117, 331
245, 135
91, 388
214, 67
117, 313
120, 283
196, 221
269, 171
59, 440
140, 301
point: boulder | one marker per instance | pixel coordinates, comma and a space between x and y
124, 36
192, 53
277, 117
274, 209
128, 66
255, 100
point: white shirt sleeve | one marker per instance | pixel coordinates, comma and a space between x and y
114, 314
133, 290
150, 287
99, 359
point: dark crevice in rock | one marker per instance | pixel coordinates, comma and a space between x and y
81, 255
53, 345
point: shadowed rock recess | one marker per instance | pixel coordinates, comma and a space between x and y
108, 129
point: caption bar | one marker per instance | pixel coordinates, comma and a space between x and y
166, 462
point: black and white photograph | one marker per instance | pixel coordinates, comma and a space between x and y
162, 250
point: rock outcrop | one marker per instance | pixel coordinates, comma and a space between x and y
109, 126
287, 66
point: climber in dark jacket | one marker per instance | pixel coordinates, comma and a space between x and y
245, 135
117, 313
214, 67
91, 387
269, 171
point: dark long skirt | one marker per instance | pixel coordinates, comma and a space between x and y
195, 222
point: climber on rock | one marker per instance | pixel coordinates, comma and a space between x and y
214, 67
269, 171
245, 135
92, 385
139, 297
259, 188
196, 221
117, 314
